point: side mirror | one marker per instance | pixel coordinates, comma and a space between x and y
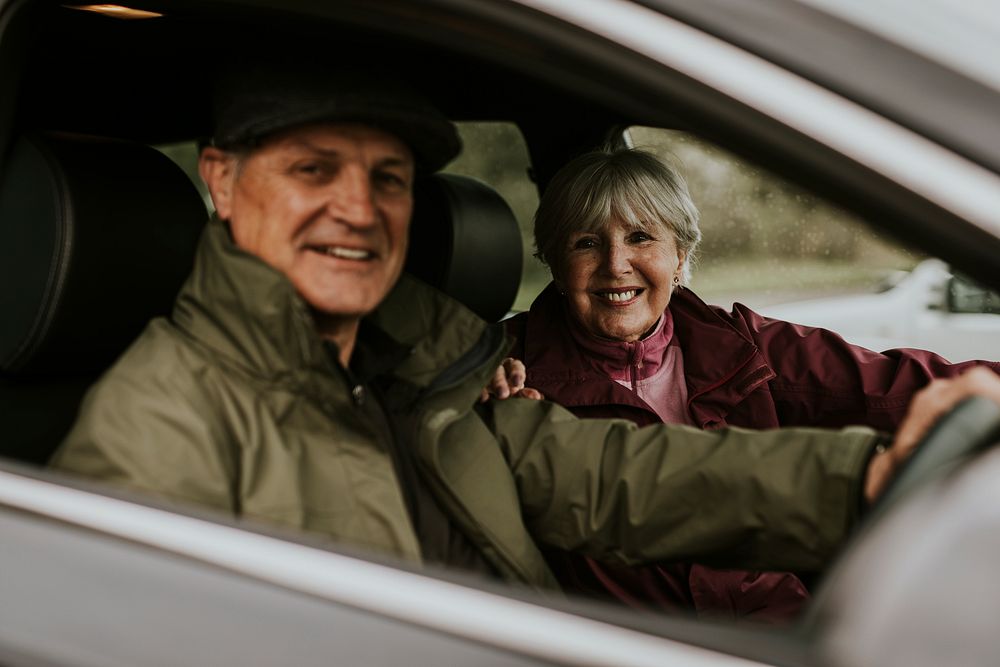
966, 296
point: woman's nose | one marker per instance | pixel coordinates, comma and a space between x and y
617, 259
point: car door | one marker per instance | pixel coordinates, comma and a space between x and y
171, 598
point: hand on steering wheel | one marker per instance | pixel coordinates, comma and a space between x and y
946, 422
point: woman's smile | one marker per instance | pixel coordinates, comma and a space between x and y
618, 279
618, 297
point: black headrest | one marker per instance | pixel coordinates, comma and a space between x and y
96, 238
465, 241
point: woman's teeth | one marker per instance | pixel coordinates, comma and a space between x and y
620, 296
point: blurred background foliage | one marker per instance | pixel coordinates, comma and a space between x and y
766, 240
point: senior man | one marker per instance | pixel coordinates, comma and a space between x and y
301, 380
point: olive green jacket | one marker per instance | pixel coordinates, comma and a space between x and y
234, 403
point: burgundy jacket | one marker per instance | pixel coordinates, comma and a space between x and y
741, 369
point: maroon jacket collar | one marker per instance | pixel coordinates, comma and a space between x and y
614, 359
722, 365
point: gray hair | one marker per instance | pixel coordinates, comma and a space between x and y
624, 184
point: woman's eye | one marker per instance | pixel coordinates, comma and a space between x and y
584, 243
639, 237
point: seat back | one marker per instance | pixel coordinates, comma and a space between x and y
96, 238
465, 241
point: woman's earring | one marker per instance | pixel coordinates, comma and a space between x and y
677, 281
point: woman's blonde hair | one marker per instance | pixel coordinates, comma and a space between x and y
625, 184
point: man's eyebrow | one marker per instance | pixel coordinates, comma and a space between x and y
394, 161
387, 161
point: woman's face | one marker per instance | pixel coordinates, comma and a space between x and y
618, 280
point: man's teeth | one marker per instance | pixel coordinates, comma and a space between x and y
347, 253
620, 296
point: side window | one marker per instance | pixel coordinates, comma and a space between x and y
967, 296
788, 254
496, 154
185, 155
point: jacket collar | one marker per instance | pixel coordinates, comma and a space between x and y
250, 314
614, 359
561, 368
722, 365
247, 312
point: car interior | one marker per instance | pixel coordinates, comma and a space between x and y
84, 275
99, 226
105, 232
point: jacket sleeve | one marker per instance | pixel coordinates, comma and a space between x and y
151, 432
822, 380
771, 500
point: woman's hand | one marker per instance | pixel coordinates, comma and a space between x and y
927, 406
509, 381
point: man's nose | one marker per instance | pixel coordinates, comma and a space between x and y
352, 200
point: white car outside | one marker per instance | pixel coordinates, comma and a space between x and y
921, 311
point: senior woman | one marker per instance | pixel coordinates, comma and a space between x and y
618, 334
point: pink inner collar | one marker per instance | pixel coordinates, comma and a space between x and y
614, 359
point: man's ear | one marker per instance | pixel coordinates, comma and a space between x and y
218, 169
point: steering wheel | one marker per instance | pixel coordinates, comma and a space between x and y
971, 426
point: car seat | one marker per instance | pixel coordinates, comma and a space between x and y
465, 241
96, 238
98, 235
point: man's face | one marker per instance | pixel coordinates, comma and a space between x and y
328, 205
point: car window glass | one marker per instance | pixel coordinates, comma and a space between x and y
496, 153
788, 254
967, 296
185, 155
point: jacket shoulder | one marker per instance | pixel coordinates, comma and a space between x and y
440, 331
153, 422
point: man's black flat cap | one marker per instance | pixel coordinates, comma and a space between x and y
256, 100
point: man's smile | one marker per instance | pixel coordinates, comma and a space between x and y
343, 252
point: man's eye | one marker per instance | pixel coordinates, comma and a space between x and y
312, 169
390, 180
